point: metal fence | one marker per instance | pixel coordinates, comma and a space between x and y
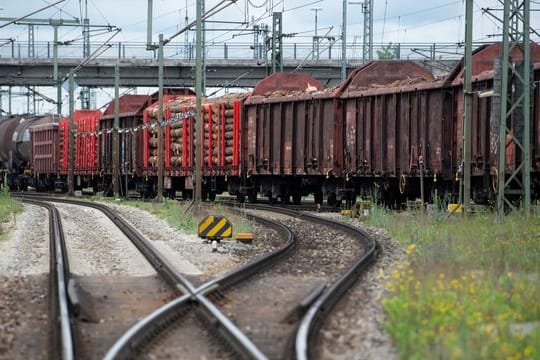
324, 50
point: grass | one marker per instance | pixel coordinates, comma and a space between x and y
181, 216
8, 208
469, 287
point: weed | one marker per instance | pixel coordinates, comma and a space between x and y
468, 287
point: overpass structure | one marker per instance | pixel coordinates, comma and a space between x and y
177, 73
234, 65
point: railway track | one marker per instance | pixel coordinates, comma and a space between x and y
205, 301
316, 269
74, 341
61, 335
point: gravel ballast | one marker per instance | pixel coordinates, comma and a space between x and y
353, 331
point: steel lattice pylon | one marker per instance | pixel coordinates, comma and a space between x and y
277, 42
367, 46
515, 121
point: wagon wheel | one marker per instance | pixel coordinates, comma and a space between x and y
240, 197
252, 196
318, 197
402, 183
332, 199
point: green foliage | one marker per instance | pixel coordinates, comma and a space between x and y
8, 206
468, 288
181, 215
388, 52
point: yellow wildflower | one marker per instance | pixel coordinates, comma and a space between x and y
410, 249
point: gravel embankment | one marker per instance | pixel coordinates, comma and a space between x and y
24, 265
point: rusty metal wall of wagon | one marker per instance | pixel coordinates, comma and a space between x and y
535, 125
396, 114
292, 135
290, 127
389, 130
15, 138
45, 149
131, 109
481, 155
485, 141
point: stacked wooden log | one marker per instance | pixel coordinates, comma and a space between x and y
218, 138
176, 106
218, 134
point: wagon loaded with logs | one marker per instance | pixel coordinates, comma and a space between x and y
221, 141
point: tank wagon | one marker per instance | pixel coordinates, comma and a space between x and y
15, 148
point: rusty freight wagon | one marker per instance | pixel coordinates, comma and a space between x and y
485, 124
290, 146
130, 138
398, 127
45, 155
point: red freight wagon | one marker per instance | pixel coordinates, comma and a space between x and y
484, 158
85, 133
221, 141
131, 109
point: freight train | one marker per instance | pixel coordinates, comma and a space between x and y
391, 131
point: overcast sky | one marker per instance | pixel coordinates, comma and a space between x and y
394, 20
403, 21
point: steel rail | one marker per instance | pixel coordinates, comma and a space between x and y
59, 269
173, 277
314, 317
135, 336
241, 343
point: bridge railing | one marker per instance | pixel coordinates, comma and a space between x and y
186, 51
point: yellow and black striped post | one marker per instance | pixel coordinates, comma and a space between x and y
215, 228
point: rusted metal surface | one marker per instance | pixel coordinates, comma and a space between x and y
290, 128
286, 83
292, 135
483, 58
128, 105
389, 74
391, 133
535, 126
15, 138
45, 149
